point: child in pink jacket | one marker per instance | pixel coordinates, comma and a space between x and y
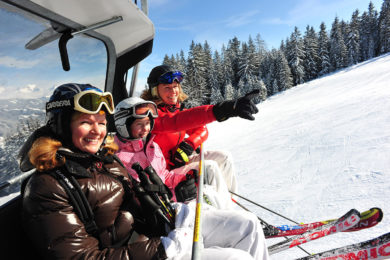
226, 234
136, 145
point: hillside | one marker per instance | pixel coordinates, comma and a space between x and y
11, 113
316, 151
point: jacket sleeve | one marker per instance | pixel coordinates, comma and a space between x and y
170, 178
187, 119
57, 231
197, 136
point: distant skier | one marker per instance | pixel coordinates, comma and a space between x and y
179, 140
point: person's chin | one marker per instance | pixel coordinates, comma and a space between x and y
171, 102
91, 150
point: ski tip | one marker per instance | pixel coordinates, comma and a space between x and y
378, 211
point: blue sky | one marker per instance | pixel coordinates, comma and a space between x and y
177, 23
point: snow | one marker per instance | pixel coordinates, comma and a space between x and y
316, 151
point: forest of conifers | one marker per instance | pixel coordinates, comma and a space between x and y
240, 66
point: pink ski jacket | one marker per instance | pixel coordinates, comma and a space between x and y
132, 151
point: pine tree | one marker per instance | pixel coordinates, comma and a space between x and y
384, 28
215, 93
181, 62
323, 51
252, 60
217, 86
353, 39
369, 33
208, 73
295, 56
263, 90
230, 93
166, 60
267, 70
311, 62
261, 52
243, 70
337, 51
233, 52
248, 67
196, 82
227, 88
283, 72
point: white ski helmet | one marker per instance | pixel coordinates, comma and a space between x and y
130, 109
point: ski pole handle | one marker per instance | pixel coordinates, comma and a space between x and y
155, 179
145, 182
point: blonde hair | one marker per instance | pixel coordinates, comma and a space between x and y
147, 95
43, 154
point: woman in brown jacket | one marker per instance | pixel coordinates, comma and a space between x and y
67, 149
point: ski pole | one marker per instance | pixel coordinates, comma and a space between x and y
196, 248
168, 217
245, 208
257, 204
263, 222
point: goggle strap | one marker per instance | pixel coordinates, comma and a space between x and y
121, 113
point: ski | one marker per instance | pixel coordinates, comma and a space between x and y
349, 220
368, 219
377, 248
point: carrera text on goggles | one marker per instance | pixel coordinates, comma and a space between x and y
170, 76
91, 102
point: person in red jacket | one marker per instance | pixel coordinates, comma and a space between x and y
178, 141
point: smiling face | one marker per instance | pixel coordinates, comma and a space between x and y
169, 93
140, 128
88, 131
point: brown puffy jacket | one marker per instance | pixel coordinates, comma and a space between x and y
58, 233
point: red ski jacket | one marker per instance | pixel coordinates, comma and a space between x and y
173, 124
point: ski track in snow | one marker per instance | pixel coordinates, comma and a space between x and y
316, 151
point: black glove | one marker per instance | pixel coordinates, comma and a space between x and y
242, 107
183, 152
186, 190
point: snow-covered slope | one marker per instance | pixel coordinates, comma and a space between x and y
316, 151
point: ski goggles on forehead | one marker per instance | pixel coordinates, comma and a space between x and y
91, 102
170, 76
139, 111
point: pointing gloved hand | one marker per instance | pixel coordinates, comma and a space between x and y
242, 107
182, 154
186, 190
